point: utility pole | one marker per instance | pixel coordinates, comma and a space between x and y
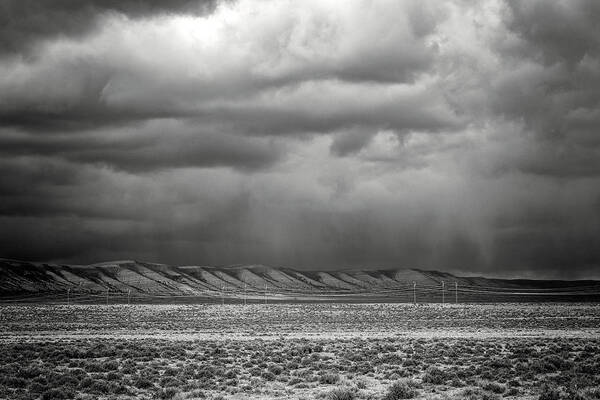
443, 293
222, 295
414, 292
68, 296
265, 293
128, 296
244, 293
455, 292
106, 296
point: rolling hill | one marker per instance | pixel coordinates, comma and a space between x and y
135, 281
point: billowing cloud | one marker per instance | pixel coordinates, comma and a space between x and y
25, 23
453, 136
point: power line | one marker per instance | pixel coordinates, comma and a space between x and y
443, 293
455, 292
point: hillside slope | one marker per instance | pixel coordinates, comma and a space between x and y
121, 281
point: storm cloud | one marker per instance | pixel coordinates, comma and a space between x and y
24, 23
441, 135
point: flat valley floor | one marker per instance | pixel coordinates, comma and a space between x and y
300, 351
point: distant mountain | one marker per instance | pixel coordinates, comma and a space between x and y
130, 280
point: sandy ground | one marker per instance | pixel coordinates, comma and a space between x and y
191, 336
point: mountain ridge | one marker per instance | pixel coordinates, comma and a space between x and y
146, 280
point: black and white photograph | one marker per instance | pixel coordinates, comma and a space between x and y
311, 199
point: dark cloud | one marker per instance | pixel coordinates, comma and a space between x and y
557, 31
551, 83
155, 145
32, 187
262, 80
350, 141
23, 23
459, 137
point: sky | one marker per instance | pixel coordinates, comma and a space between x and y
451, 135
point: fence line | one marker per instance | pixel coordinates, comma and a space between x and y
409, 293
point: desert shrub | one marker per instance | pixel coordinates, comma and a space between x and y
365, 367
14, 381
435, 376
514, 383
329, 378
294, 380
110, 366
275, 369
122, 389
128, 369
231, 382
173, 352
591, 393
188, 372
550, 363
268, 376
36, 387
66, 380
478, 394
233, 373
457, 383
168, 393
100, 386
409, 362
341, 394
549, 393
206, 372
292, 365
58, 394
167, 381
495, 387
391, 358
77, 372
86, 382
142, 383
587, 367
255, 371
30, 372
114, 376
92, 366
487, 373
400, 390
41, 380
196, 394
361, 383
528, 376
76, 363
